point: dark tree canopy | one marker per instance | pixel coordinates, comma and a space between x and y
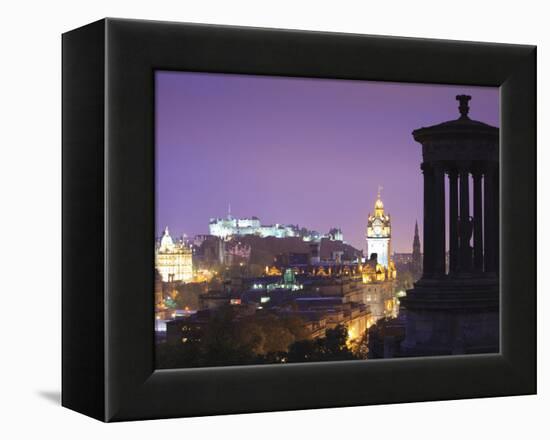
256, 339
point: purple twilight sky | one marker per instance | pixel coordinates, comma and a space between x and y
297, 150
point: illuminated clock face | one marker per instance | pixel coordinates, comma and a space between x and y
377, 227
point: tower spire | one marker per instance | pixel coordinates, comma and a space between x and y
378, 205
416, 263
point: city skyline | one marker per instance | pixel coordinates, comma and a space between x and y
296, 150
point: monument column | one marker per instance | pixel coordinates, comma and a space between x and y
488, 182
453, 221
496, 219
465, 224
427, 264
439, 221
478, 223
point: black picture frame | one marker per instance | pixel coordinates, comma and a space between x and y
109, 205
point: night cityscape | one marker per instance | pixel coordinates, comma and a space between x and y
303, 220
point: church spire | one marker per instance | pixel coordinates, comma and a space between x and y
416, 263
416, 239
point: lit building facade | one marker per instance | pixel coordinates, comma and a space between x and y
379, 234
379, 289
174, 261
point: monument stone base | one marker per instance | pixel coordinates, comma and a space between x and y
451, 316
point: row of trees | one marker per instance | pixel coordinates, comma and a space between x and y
256, 339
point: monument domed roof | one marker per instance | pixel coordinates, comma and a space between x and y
463, 126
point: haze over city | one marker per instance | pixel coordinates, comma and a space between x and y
296, 151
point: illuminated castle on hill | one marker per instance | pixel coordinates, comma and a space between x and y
230, 226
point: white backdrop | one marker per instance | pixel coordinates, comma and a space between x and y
30, 175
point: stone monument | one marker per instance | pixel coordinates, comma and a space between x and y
454, 308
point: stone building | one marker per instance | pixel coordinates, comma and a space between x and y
328, 313
380, 297
378, 288
174, 261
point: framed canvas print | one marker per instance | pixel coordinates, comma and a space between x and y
261, 220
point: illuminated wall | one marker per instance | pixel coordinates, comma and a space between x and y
229, 226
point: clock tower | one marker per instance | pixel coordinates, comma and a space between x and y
379, 233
